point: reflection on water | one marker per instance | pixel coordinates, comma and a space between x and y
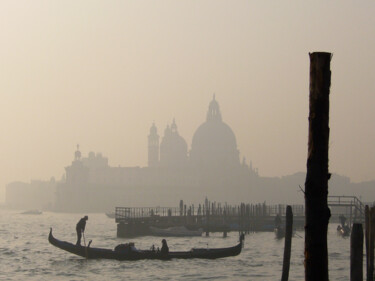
27, 255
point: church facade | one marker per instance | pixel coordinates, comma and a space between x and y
211, 168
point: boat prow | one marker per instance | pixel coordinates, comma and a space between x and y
67, 246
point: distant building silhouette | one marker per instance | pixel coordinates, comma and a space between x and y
153, 147
212, 168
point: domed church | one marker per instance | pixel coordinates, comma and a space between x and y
211, 168
213, 146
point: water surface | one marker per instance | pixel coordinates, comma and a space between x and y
26, 254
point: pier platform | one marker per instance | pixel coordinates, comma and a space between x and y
133, 222
217, 217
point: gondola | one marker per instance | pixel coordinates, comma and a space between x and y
177, 231
111, 215
32, 212
279, 232
344, 230
121, 254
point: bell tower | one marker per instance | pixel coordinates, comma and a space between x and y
153, 147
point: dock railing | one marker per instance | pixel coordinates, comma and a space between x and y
124, 214
144, 212
355, 207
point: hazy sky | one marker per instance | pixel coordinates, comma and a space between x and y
98, 73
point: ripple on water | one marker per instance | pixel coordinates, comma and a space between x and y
31, 257
7, 252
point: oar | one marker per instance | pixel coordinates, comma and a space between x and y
84, 243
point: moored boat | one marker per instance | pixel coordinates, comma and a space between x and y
32, 212
176, 231
279, 232
111, 215
100, 253
343, 230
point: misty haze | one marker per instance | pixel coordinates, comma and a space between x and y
210, 169
181, 131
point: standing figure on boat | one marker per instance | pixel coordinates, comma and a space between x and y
342, 220
80, 228
279, 229
164, 247
277, 220
343, 229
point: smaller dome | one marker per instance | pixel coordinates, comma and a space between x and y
176, 141
167, 131
173, 147
173, 140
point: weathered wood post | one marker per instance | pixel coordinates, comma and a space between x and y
288, 242
181, 207
367, 235
370, 268
207, 221
317, 213
356, 253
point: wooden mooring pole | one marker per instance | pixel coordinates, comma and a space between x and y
370, 228
367, 235
288, 243
207, 222
356, 253
317, 213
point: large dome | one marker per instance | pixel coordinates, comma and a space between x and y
214, 143
214, 134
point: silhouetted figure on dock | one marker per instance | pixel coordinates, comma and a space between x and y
277, 220
164, 247
342, 220
279, 229
343, 229
242, 238
80, 228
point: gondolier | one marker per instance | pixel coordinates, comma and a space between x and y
80, 228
